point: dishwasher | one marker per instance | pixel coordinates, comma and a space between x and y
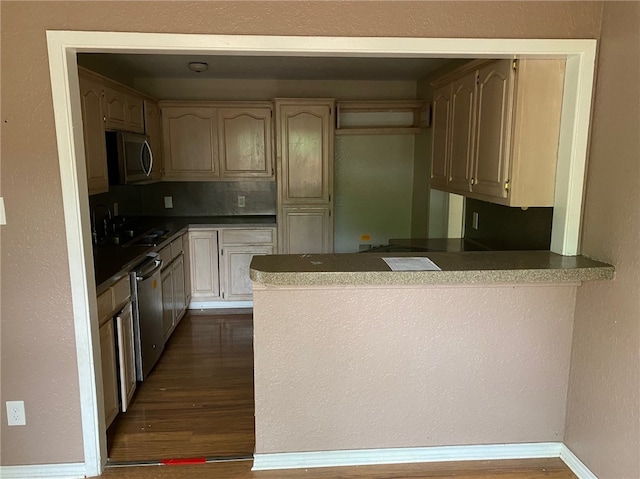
146, 299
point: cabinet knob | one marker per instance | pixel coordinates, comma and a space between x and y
473, 181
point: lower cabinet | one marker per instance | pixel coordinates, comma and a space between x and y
174, 294
219, 263
109, 372
126, 356
306, 230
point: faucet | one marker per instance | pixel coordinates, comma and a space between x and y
106, 220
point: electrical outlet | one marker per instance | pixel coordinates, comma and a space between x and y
15, 413
241, 201
115, 209
168, 201
475, 220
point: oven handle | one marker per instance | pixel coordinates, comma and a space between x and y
148, 147
147, 273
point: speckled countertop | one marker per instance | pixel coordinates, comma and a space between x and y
472, 267
112, 262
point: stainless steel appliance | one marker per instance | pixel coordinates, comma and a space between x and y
129, 158
146, 298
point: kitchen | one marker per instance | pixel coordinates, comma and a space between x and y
374, 193
370, 211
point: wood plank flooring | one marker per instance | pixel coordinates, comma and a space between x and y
198, 401
519, 469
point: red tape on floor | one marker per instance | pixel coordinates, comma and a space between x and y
181, 462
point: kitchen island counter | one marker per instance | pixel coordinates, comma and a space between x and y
475, 267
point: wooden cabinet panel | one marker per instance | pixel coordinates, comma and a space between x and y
246, 236
244, 138
168, 315
235, 262
203, 248
153, 129
134, 113
462, 124
493, 128
115, 107
190, 151
91, 98
179, 292
306, 156
109, 372
306, 231
187, 275
126, 357
440, 132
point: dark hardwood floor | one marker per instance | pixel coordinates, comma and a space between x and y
198, 401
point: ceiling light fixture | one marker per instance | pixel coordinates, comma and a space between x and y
198, 67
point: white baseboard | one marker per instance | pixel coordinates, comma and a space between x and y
220, 304
575, 464
74, 470
361, 457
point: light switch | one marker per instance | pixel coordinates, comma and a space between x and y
168, 201
475, 220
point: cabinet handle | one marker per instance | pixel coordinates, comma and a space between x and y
506, 185
473, 181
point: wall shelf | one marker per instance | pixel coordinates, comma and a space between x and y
382, 117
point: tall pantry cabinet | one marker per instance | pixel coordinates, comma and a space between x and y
304, 144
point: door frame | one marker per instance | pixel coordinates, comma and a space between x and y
64, 45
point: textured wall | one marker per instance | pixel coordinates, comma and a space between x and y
603, 414
38, 347
362, 367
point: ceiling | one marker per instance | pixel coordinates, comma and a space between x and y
263, 67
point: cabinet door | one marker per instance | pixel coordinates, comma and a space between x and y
115, 107
91, 98
493, 129
187, 273
153, 129
168, 312
305, 139
235, 262
179, 295
306, 231
461, 133
126, 356
134, 113
109, 372
244, 139
205, 281
440, 139
190, 151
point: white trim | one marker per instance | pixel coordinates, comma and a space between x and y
220, 304
363, 457
73, 470
63, 46
575, 464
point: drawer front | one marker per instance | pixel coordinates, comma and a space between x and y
121, 291
105, 306
176, 247
165, 255
247, 236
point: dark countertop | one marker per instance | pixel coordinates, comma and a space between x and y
472, 267
112, 262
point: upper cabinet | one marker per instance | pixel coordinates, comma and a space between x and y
495, 131
153, 129
91, 100
123, 109
205, 141
244, 141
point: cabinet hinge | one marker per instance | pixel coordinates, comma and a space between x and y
506, 185
514, 65
223, 295
477, 79
221, 252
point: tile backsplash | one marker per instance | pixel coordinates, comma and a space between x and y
218, 198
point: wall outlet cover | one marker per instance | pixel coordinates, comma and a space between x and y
15, 413
168, 201
241, 201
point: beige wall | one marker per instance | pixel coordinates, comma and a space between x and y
603, 414
375, 367
38, 347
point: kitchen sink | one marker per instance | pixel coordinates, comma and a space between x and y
127, 238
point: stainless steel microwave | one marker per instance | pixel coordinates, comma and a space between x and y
129, 158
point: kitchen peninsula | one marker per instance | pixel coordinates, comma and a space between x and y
352, 356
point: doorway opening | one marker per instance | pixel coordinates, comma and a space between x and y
64, 45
